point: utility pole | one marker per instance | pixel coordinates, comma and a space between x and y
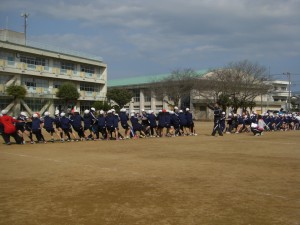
25, 15
289, 90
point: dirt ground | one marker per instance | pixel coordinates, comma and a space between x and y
234, 179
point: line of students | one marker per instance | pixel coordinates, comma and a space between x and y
104, 126
237, 123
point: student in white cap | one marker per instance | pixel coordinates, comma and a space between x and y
37, 128
48, 126
22, 127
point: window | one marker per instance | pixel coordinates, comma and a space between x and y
136, 95
56, 84
32, 83
89, 87
64, 66
33, 61
11, 60
147, 95
87, 69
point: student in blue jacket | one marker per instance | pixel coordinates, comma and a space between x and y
189, 121
124, 122
110, 125
76, 122
88, 122
101, 120
48, 126
175, 124
37, 128
65, 126
183, 122
152, 122
136, 126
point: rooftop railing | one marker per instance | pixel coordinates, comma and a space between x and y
48, 47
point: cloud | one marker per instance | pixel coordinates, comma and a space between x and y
170, 32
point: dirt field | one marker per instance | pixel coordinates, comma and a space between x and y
235, 179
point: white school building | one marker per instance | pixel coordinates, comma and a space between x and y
41, 69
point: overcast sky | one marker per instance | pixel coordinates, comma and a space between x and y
154, 37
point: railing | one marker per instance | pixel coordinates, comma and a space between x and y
47, 69
34, 44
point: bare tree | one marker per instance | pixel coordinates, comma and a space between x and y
175, 87
240, 82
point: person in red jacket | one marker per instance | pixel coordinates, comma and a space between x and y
9, 128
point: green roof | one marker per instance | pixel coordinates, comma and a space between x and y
139, 80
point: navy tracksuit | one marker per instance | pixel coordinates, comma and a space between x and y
76, 120
36, 129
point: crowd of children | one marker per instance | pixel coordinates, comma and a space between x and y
94, 125
245, 122
109, 125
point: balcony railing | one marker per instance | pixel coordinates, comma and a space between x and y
47, 69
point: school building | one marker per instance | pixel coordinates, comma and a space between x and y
144, 97
41, 69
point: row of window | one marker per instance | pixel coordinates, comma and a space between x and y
31, 82
136, 96
33, 61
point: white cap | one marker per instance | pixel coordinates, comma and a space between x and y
46, 113
180, 110
56, 112
187, 109
76, 110
132, 114
123, 110
175, 107
223, 112
4, 111
112, 110
109, 111
62, 114
229, 114
35, 115
149, 111
86, 111
93, 109
23, 114
101, 111
171, 112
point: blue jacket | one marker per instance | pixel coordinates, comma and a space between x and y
161, 119
110, 120
87, 120
48, 122
135, 123
189, 118
123, 118
116, 121
36, 124
101, 121
65, 122
76, 120
182, 118
175, 120
152, 120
